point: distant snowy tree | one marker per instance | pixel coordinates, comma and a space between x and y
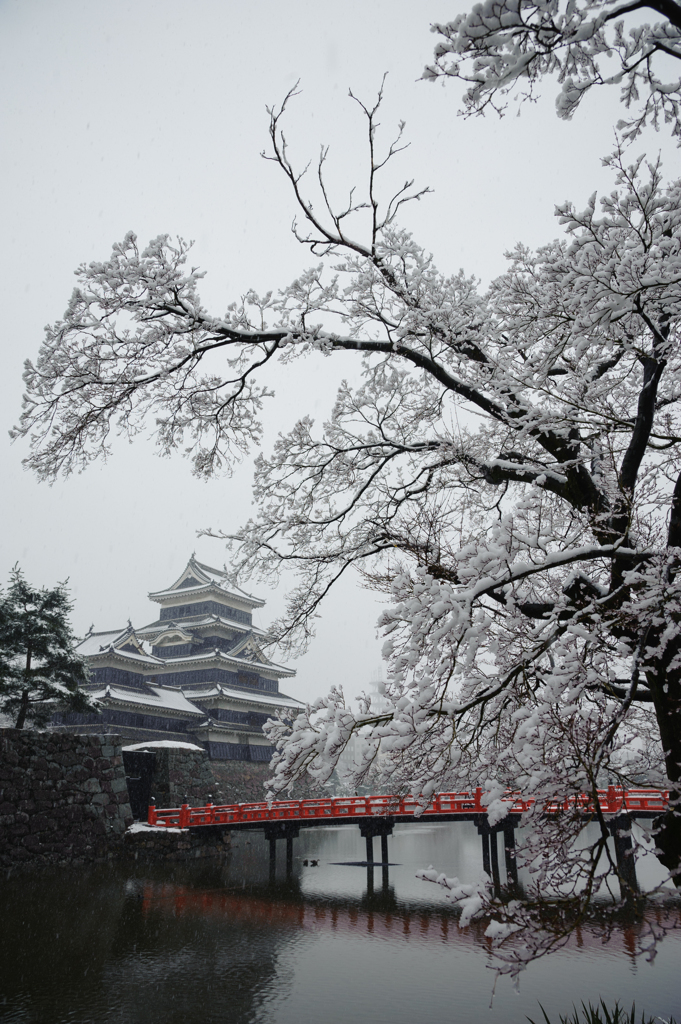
40, 673
509, 46
508, 471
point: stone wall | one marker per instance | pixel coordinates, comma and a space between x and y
181, 774
243, 782
63, 798
145, 843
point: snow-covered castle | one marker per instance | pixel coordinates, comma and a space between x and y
197, 673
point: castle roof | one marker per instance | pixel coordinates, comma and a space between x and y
159, 698
248, 656
121, 643
187, 622
198, 580
281, 700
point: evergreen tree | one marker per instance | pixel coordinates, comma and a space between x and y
40, 671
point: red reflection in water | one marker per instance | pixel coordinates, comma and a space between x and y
416, 925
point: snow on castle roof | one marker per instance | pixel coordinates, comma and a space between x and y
160, 697
206, 578
220, 690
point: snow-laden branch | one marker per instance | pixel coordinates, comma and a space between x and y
507, 472
508, 46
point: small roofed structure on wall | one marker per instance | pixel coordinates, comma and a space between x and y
197, 673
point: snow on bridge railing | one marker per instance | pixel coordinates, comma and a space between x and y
612, 800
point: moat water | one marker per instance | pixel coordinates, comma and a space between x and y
207, 942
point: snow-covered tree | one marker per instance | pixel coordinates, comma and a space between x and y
40, 671
508, 470
507, 47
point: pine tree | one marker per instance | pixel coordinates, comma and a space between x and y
40, 671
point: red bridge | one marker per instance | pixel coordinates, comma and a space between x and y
376, 816
637, 803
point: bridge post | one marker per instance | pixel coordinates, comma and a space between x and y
369, 828
509, 852
287, 830
483, 832
384, 850
494, 850
490, 850
624, 855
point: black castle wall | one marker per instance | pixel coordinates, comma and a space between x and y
184, 611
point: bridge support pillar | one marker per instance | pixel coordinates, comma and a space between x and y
281, 830
486, 867
384, 860
494, 852
382, 827
273, 857
624, 855
490, 849
509, 853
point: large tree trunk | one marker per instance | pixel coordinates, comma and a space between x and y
666, 689
23, 709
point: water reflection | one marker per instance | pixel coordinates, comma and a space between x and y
223, 942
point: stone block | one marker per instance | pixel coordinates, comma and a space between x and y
19, 853
108, 750
67, 758
100, 798
90, 786
7, 807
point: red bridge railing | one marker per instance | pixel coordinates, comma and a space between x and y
612, 800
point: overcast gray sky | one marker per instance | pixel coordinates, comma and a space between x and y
151, 116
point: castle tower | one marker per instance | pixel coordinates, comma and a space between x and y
197, 673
